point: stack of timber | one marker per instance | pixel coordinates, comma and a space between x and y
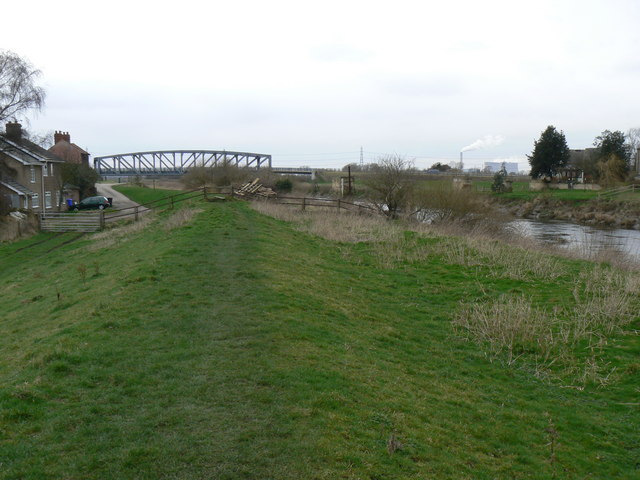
255, 188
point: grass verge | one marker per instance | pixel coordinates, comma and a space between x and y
238, 346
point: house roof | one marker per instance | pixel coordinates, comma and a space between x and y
16, 187
27, 152
81, 150
68, 151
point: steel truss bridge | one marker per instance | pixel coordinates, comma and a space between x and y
175, 162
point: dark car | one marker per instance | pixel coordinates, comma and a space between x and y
91, 203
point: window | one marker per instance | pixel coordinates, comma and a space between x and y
45, 170
35, 200
32, 171
51, 169
47, 199
58, 198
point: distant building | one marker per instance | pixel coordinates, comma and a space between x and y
69, 152
582, 165
493, 167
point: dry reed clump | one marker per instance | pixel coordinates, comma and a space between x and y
114, 236
509, 325
341, 227
511, 328
180, 217
609, 254
607, 300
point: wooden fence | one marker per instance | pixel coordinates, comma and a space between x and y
94, 221
72, 222
332, 203
617, 191
164, 202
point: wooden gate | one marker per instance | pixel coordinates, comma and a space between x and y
71, 222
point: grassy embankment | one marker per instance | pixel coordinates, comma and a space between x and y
222, 343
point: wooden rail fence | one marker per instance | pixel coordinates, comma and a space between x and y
94, 221
72, 222
338, 204
617, 191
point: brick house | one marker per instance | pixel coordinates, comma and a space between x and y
30, 176
69, 152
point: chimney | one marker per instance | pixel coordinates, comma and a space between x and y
14, 131
58, 136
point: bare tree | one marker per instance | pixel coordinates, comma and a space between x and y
19, 91
633, 140
391, 184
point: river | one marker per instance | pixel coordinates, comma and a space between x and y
585, 239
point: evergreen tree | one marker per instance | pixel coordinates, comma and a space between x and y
550, 153
612, 143
498, 185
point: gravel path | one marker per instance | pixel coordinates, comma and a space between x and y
120, 201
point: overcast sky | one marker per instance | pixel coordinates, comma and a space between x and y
312, 82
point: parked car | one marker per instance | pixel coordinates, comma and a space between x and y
91, 203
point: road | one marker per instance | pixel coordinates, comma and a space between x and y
120, 201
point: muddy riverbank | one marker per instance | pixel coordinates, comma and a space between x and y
609, 213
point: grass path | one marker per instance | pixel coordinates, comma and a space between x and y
236, 347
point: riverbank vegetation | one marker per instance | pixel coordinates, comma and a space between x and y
230, 344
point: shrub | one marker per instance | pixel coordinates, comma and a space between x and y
197, 177
498, 185
441, 201
284, 185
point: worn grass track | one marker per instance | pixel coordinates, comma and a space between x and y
237, 347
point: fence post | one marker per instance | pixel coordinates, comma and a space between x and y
232, 191
304, 203
338, 205
135, 210
204, 192
101, 219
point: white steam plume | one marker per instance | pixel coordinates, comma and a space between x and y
485, 142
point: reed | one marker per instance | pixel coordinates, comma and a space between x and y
512, 329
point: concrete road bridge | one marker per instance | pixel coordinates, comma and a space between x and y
175, 162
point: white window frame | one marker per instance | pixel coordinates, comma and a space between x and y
47, 200
45, 170
51, 169
32, 171
35, 200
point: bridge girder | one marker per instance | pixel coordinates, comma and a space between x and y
175, 162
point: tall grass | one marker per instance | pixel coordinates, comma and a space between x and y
565, 342
511, 327
332, 225
117, 233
